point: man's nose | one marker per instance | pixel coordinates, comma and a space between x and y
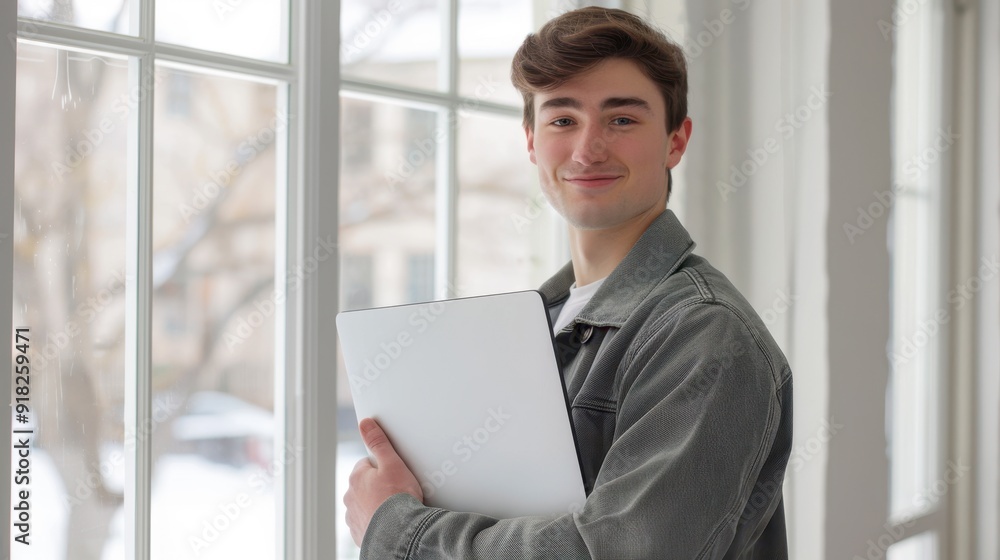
591, 146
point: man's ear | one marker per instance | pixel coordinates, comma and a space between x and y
677, 143
531, 144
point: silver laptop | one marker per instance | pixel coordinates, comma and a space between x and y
469, 392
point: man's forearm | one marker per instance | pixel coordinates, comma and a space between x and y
405, 529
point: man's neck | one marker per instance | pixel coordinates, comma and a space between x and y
596, 253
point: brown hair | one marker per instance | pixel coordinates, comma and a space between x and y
576, 41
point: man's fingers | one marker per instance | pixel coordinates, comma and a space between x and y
359, 467
377, 441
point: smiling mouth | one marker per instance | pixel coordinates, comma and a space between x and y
593, 181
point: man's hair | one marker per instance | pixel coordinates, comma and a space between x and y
577, 41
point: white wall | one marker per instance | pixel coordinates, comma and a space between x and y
988, 366
781, 231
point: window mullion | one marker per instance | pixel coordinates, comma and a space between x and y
312, 308
138, 294
138, 338
446, 222
446, 206
113, 43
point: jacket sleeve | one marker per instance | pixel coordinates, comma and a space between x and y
698, 412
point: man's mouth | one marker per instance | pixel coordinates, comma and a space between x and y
593, 181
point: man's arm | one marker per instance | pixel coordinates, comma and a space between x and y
698, 413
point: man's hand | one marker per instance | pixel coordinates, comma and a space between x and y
370, 485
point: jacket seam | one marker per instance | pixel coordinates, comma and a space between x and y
769, 427
700, 282
593, 404
657, 325
756, 338
758, 460
419, 532
654, 329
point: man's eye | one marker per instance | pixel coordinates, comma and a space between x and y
562, 122
623, 121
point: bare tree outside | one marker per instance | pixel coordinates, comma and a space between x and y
215, 187
215, 261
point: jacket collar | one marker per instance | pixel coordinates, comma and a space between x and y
656, 255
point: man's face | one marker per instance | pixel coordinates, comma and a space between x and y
602, 149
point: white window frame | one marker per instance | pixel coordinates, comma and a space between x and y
936, 518
8, 69
447, 101
305, 347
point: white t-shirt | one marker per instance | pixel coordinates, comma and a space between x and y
578, 298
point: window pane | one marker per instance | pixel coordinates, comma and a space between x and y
506, 227
489, 33
69, 264
920, 315
102, 15
249, 28
392, 41
218, 463
920, 547
386, 236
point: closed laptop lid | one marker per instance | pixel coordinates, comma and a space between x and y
470, 394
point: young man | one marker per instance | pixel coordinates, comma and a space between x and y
680, 399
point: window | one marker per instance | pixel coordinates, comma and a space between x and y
356, 281
439, 192
920, 479
151, 174
420, 271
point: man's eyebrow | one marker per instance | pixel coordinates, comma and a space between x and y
560, 102
609, 103
617, 102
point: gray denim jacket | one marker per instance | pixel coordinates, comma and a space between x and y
681, 403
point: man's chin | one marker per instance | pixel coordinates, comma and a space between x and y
590, 222
597, 221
